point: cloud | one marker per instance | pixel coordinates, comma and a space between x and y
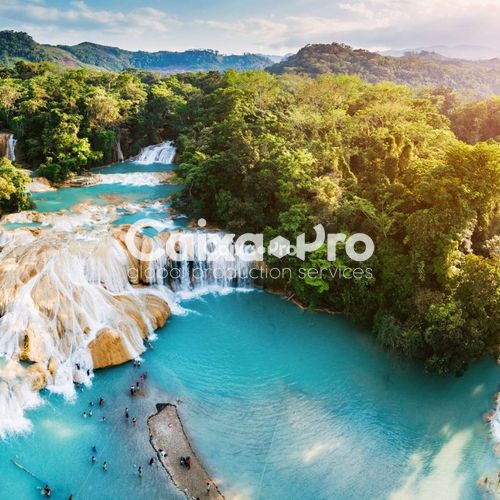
374, 24
291, 32
279, 27
79, 16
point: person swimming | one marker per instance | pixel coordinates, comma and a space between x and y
139, 470
92, 459
46, 491
151, 461
105, 466
126, 413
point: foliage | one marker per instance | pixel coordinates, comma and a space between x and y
19, 45
416, 70
282, 154
13, 188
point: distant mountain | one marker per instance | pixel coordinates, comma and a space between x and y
425, 68
19, 45
470, 52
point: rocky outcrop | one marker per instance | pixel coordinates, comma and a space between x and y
141, 271
69, 302
108, 349
40, 185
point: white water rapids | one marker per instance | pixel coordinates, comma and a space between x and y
11, 148
8, 145
71, 296
157, 153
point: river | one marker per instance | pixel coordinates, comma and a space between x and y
278, 402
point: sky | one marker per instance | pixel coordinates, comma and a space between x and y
262, 26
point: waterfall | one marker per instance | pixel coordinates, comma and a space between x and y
8, 145
117, 149
11, 148
157, 153
204, 263
68, 304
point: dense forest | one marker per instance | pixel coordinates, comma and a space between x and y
415, 70
419, 171
18, 45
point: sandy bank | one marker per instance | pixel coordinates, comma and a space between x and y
167, 433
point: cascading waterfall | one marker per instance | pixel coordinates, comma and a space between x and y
157, 153
67, 306
197, 262
67, 303
11, 148
8, 145
69, 300
207, 263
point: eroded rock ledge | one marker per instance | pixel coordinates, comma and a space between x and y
68, 304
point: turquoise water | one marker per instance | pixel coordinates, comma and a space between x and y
99, 194
279, 403
106, 194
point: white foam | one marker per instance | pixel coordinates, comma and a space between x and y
157, 153
134, 179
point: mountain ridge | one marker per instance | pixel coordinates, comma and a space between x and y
415, 70
16, 45
425, 68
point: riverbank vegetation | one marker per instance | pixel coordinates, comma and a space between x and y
280, 154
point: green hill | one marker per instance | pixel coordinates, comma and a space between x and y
19, 45
424, 68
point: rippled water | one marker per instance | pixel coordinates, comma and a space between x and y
278, 402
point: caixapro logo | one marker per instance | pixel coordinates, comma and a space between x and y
248, 247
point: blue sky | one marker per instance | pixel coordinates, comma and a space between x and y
265, 26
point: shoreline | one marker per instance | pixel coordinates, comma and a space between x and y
166, 432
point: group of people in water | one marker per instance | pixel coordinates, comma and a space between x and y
134, 389
88, 413
46, 490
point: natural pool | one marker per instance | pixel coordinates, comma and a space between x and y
279, 403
